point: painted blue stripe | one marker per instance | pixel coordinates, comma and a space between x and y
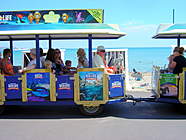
53, 27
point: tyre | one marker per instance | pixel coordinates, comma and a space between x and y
2, 108
91, 110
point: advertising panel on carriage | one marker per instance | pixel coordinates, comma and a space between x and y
52, 16
168, 85
37, 86
91, 86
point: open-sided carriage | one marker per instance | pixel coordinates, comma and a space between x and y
168, 87
90, 88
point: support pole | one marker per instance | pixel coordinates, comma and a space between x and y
37, 53
11, 48
178, 41
90, 49
173, 16
50, 42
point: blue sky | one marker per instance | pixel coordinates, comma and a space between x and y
138, 18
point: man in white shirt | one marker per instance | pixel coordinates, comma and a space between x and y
99, 58
32, 63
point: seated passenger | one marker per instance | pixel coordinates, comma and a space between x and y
42, 57
5, 63
58, 61
99, 60
49, 61
0, 56
68, 69
82, 60
32, 63
179, 61
170, 58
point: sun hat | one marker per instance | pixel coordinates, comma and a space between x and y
33, 51
100, 48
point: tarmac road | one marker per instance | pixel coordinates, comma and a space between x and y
144, 121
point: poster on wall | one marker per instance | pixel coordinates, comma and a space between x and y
91, 85
52, 16
38, 86
168, 85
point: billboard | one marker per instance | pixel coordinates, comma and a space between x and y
52, 16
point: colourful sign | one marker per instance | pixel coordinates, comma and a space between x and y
91, 85
168, 84
38, 86
52, 16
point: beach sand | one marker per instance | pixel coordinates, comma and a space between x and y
142, 84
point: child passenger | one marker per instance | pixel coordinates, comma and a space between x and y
68, 69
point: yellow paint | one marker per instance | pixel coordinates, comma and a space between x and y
38, 70
24, 88
51, 17
2, 90
181, 94
52, 87
90, 69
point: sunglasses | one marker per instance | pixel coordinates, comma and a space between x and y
102, 51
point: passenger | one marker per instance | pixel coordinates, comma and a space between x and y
42, 57
179, 61
170, 58
58, 62
99, 60
5, 63
49, 61
32, 63
68, 69
82, 60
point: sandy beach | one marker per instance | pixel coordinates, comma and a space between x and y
141, 82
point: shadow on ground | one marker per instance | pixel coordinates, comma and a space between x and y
127, 110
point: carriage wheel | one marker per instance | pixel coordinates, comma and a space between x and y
2, 108
91, 110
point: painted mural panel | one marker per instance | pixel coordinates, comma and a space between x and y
38, 86
168, 85
52, 16
91, 85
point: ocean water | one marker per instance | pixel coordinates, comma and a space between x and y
140, 58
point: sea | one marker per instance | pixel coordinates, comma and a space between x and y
140, 58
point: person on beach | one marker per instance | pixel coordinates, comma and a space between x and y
5, 63
179, 61
82, 60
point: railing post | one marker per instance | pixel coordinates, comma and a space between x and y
37, 53
90, 49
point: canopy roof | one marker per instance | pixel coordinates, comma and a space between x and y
171, 31
59, 31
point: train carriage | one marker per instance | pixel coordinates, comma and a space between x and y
90, 88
